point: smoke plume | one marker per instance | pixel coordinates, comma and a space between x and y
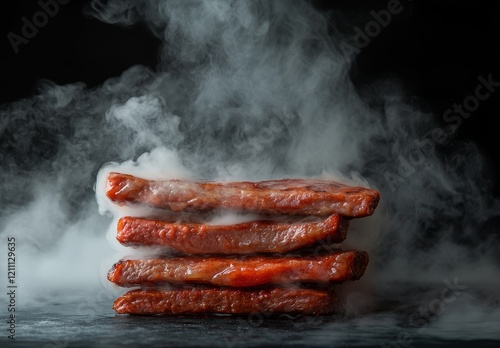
247, 90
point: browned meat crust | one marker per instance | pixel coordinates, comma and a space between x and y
229, 301
287, 196
241, 272
243, 238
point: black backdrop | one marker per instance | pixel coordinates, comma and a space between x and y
438, 48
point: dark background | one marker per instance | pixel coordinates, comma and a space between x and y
437, 48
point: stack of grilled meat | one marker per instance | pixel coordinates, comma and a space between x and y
270, 265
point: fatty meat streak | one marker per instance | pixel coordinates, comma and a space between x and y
240, 272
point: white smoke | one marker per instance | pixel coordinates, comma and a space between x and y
244, 90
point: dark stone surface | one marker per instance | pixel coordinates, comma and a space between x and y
95, 325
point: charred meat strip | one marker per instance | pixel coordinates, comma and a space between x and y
243, 238
229, 301
241, 272
286, 196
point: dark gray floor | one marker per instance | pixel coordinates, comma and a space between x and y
95, 325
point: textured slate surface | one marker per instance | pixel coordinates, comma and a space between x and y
83, 323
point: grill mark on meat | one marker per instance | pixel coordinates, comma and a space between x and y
241, 272
287, 196
227, 301
243, 238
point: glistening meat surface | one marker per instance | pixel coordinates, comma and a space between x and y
287, 196
241, 272
243, 238
229, 301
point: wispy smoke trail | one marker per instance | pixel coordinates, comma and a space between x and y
262, 90
245, 90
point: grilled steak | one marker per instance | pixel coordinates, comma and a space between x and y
243, 238
241, 272
287, 196
230, 301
